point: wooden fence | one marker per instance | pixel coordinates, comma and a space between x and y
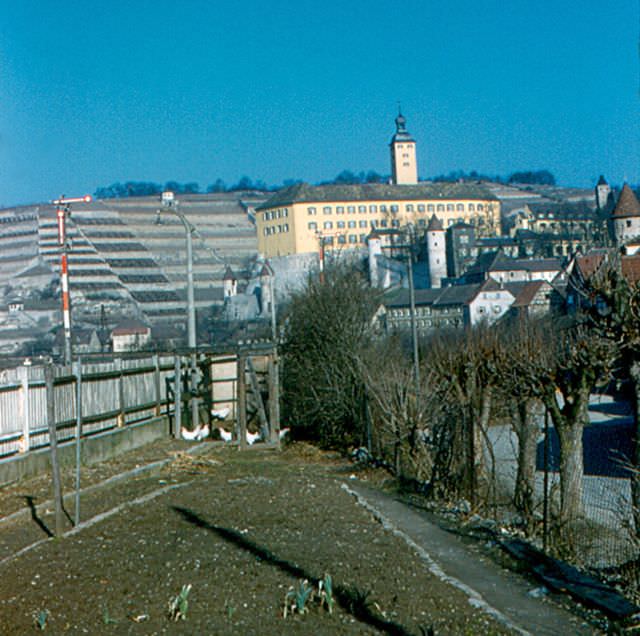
123, 391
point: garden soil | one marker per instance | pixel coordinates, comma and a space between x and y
245, 530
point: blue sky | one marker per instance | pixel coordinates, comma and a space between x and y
97, 92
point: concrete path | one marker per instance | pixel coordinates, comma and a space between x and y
501, 593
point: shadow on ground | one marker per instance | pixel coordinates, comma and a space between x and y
352, 600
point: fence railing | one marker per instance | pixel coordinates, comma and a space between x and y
122, 391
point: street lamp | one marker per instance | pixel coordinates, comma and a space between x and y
170, 203
63, 209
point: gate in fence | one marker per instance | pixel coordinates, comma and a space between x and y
237, 391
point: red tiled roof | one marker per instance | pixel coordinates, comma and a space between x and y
628, 204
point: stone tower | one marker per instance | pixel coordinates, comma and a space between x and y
266, 290
404, 167
626, 220
229, 283
603, 190
374, 244
436, 250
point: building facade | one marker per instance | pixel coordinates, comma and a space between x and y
296, 219
302, 218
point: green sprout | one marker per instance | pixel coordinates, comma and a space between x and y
179, 605
295, 600
41, 619
325, 587
107, 619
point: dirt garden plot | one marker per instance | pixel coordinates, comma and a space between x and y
240, 529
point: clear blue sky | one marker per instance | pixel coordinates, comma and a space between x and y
97, 92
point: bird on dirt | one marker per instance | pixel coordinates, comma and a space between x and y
225, 436
284, 433
252, 438
196, 435
190, 436
203, 432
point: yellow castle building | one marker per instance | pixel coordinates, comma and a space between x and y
295, 220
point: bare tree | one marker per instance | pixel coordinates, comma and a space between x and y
327, 326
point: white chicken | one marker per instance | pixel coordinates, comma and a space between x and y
196, 435
225, 436
220, 414
252, 438
284, 433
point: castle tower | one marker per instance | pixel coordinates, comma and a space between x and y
626, 220
404, 167
374, 243
603, 190
436, 250
229, 284
266, 289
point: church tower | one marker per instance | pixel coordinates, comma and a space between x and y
404, 167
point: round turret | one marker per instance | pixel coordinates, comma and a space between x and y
436, 250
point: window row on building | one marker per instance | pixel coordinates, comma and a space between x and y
394, 208
275, 229
269, 215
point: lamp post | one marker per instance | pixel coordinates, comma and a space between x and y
63, 209
170, 203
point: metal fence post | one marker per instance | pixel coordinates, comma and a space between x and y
242, 403
24, 403
53, 447
274, 398
121, 414
77, 371
156, 380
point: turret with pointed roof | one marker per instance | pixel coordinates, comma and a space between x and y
626, 220
229, 283
436, 251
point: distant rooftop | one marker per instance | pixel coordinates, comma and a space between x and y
305, 193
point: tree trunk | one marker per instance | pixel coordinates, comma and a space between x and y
527, 433
635, 474
480, 442
571, 469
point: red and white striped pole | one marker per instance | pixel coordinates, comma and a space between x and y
61, 212
66, 306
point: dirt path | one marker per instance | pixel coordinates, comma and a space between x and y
242, 528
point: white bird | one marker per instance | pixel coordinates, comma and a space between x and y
252, 438
220, 414
284, 433
189, 435
224, 434
203, 432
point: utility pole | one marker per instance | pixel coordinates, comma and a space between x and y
63, 209
170, 203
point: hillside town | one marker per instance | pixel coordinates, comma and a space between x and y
478, 250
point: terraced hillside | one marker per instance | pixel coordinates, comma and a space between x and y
130, 259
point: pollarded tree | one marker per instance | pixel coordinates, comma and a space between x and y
468, 367
567, 363
328, 324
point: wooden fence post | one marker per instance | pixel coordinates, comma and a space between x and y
77, 371
53, 446
255, 388
24, 403
242, 402
274, 398
121, 414
177, 396
156, 381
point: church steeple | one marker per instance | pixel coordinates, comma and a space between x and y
404, 168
